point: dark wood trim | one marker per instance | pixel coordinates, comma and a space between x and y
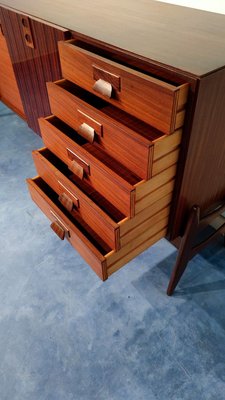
202, 181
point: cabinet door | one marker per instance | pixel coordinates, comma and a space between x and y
9, 92
32, 45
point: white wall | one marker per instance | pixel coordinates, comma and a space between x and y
217, 6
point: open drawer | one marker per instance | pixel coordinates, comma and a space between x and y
81, 237
80, 199
91, 164
127, 139
91, 247
158, 103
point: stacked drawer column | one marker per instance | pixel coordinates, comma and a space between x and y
108, 173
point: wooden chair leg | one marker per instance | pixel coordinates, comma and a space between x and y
185, 250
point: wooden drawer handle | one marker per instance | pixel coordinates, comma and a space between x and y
106, 81
84, 118
76, 169
69, 195
78, 166
55, 226
86, 132
59, 227
103, 87
66, 201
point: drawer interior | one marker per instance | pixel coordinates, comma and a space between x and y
99, 244
86, 188
110, 110
153, 100
107, 54
96, 150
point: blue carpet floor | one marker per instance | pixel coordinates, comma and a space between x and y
65, 335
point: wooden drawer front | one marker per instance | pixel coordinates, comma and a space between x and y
125, 145
103, 261
83, 164
150, 222
63, 226
158, 103
75, 200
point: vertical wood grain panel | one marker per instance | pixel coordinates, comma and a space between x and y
9, 92
33, 67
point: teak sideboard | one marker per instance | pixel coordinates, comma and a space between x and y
129, 98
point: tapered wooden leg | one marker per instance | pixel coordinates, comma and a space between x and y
185, 250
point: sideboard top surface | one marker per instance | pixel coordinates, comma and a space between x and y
184, 38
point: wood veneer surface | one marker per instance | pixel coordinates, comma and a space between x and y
119, 130
99, 221
187, 39
85, 241
152, 100
33, 67
114, 187
9, 92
